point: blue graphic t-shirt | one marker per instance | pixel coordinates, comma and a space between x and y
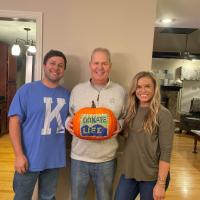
42, 112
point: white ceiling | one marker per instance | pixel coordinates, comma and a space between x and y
11, 30
185, 12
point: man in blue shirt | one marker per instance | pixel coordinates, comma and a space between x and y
36, 127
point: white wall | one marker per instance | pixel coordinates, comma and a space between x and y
191, 89
77, 27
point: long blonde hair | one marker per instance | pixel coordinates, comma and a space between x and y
150, 121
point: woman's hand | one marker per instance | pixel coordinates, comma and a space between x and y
159, 192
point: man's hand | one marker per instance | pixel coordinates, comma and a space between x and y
117, 130
21, 164
69, 125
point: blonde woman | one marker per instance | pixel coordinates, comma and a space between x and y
148, 128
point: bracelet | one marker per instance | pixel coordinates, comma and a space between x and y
161, 186
161, 181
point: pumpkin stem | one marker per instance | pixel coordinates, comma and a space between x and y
93, 104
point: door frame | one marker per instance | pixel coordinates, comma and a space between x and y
36, 16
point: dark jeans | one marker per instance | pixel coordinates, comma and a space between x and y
128, 189
23, 185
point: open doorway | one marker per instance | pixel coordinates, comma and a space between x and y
25, 16
13, 34
14, 71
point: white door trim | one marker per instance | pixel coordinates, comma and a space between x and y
37, 16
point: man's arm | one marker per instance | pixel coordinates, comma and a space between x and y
120, 121
123, 111
21, 162
69, 120
69, 125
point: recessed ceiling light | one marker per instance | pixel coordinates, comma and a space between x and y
15, 18
166, 20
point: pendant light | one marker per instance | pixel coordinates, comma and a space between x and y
30, 44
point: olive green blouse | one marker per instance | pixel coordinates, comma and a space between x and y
143, 150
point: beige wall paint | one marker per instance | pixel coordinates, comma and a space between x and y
77, 27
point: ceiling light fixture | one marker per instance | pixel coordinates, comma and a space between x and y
186, 54
30, 44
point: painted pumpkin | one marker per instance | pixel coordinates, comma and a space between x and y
94, 123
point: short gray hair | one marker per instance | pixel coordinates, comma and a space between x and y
104, 50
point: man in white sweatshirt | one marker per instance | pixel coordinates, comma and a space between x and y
95, 159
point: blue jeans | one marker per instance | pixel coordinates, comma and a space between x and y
129, 189
23, 185
102, 175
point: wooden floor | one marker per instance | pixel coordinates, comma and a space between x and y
6, 168
185, 170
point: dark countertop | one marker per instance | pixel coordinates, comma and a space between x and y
170, 87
